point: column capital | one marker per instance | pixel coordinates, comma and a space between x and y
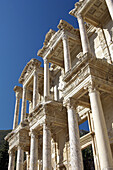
72, 103
33, 134
24, 87
20, 146
12, 151
17, 94
47, 124
46, 61
79, 16
93, 89
64, 36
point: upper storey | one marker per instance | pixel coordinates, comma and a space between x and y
57, 43
95, 12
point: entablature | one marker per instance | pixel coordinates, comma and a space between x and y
53, 50
91, 73
27, 73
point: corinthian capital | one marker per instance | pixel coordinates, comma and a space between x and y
64, 36
46, 61
72, 103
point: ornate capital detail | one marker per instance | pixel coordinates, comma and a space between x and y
47, 125
11, 152
79, 16
72, 103
33, 134
17, 94
92, 88
46, 61
64, 36
24, 88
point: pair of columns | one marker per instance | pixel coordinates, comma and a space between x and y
35, 95
46, 149
24, 98
101, 133
20, 159
17, 105
84, 41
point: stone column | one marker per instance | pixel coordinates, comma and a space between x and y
83, 35
74, 139
33, 151
101, 134
56, 95
67, 58
46, 78
110, 7
23, 110
111, 49
35, 89
11, 164
46, 147
20, 158
16, 114
28, 160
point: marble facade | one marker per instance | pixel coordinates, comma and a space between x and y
76, 87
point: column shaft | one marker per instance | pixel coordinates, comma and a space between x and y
20, 159
67, 58
56, 95
110, 7
11, 164
35, 89
46, 78
111, 49
33, 152
23, 110
46, 148
83, 35
28, 160
16, 114
75, 150
101, 134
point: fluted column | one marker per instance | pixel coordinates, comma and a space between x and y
83, 35
20, 158
46, 147
35, 89
110, 7
101, 134
74, 139
67, 58
23, 110
33, 151
46, 78
16, 114
11, 164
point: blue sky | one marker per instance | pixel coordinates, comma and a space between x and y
23, 26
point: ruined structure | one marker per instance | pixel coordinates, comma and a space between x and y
77, 87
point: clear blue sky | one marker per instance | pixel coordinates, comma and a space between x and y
23, 25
